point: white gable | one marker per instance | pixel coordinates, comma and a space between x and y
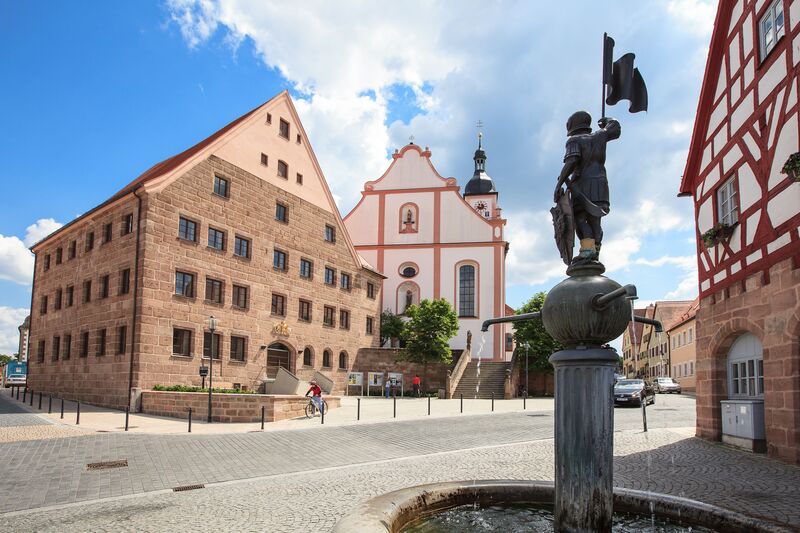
411, 169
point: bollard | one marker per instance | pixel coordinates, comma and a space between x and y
262, 418
394, 406
17, 392
31, 404
493, 402
322, 412
62, 408
24, 394
429, 406
462, 403
358, 409
11, 389
127, 414
525, 401
78, 417
40, 401
190, 420
49, 404
644, 411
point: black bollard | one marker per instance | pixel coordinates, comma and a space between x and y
49, 404
24, 394
358, 409
394, 406
40, 401
644, 412
429, 406
322, 412
262, 418
525, 401
493, 402
78, 416
190, 420
62, 408
462, 403
11, 390
17, 392
31, 404
127, 414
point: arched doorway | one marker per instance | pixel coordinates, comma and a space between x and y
743, 421
278, 356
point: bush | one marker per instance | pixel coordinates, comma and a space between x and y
188, 388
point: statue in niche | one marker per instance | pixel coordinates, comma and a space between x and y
409, 299
408, 224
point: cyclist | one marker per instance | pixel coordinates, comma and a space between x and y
316, 394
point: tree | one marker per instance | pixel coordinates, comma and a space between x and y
391, 326
6, 358
541, 344
428, 332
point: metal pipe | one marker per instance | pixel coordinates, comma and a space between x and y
655, 323
512, 318
127, 415
602, 300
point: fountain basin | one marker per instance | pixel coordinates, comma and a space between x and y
393, 511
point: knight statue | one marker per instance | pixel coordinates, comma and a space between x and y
585, 201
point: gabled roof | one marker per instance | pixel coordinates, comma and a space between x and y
688, 313
719, 36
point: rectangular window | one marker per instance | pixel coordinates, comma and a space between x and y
370, 325
299, 139
279, 260
221, 187
187, 229
56, 347
211, 345
306, 268
101, 342
328, 316
690, 335
40, 352
57, 300
747, 377
345, 281
125, 281
84, 344
278, 305
71, 250
466, 291
330, 233
182, 342
283, 170
330, 276
371, 290
281, 212
691, 368
241, 247
304, 312
238, 348
269, 118
344, 319
284, 129
70, 295
184, 284
127, 224
122, 339
771, 28
240, 297
299, 179
216, 239
59, 253
213, 290
46, 265
727, 204
104, 283
90, 241
43, 306
264, 159
67, 347
108, 232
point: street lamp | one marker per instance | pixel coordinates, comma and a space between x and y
212, 325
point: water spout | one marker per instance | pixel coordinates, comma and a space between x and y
655, 323
512, 318
602, 300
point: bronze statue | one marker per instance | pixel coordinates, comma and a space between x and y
588, 198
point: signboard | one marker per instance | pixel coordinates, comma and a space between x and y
374, 379
203, 371
397, 380
355, 378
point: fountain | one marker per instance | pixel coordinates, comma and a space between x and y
584, 312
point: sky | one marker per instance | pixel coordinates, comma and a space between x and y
97, 92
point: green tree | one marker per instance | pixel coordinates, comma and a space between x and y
391, 326
6, 358
541, 344
428, 332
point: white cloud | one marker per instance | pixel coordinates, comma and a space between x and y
16, 261
696, 16
10, 319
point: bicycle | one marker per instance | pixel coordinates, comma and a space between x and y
311, 408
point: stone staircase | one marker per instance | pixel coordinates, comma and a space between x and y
492, 379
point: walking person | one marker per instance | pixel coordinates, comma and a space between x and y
415, 383
388, 387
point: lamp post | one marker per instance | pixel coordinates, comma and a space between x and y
212, 325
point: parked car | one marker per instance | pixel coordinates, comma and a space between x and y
666, 385
633, 392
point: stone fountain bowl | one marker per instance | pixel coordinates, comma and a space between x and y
393, 511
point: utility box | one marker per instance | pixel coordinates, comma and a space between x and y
743, 424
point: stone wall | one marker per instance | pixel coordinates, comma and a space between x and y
385, 360
228, 407
767, 305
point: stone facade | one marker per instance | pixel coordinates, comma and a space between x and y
770, 311
385, 360
683, 347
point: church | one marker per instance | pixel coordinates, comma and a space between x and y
430, 241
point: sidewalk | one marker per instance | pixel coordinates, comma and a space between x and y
105, 420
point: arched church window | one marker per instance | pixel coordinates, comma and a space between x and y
466, 291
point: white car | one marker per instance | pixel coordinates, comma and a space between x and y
666, 385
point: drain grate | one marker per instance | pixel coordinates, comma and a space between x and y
188, 487
107, 464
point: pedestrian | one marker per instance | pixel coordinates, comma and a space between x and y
388, 387
415, 384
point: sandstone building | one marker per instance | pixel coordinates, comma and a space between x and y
241, 226
682, 334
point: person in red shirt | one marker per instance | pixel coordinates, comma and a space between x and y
415, 384
316, 394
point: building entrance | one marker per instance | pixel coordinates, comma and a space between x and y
277, 357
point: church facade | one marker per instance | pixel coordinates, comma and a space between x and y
430, 241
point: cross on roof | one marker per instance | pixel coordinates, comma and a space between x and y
411, 139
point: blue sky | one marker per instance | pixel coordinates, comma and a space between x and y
97, 92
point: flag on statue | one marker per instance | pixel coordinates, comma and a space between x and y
624, 81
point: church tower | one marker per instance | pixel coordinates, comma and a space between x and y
480, 191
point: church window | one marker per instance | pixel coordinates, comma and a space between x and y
466, 291
727, 203
771, 28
